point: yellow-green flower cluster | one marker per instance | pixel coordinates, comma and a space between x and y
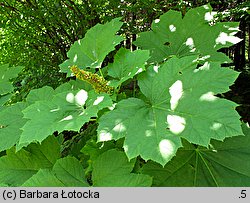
97, 82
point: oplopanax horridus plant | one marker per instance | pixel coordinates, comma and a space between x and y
179, 102
174, 118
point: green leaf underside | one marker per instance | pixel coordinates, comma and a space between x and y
126, 65
67, 110
92, 49
180, 103
16, 168
67, 172
191, 35
112, 168
224, 164
11, 118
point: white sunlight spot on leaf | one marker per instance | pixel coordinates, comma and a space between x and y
176, 92
157, 20
98, 100
94, 53
112, 107
54, 110
172, 28
83, 112
129, 73
79, 42
139, 70
193, 50
203, 58
125, 147
206, 7
148, 133
205, 67
231, 28
209, 96
75, 58
209, 16
190, 44
176, 124
67, 118
156, 69
38, 110
216, 126
119, 127
94, 64
235, 29
70, 97
166, 148
105, 136
223, 38
81, 97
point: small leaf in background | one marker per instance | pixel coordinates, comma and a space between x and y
112, 168
93, 48
44, 93
67, 172
11, 120
224, 164
7, 73
17, 167
94, 149
3, 99
126, 65
179, 102
191, 35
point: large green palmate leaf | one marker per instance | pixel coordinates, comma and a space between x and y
224, 164
67, 172
11, 117
17, 167
67, 110
7, 73
112, 168
93, 48
191, 35
179, 102
11, 120
126, 65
